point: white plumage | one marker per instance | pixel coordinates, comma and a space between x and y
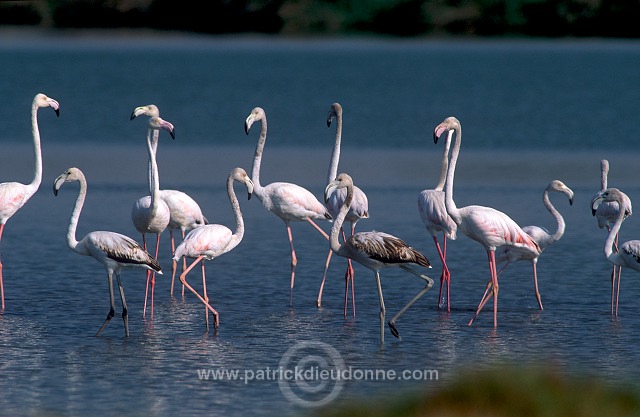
212, 240
359, 208
288, 201
14, 195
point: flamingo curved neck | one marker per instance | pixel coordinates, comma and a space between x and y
257, 159
335, 155
154, 182
608, 244
75, 215
445, 164
556, 215
337, 224
37, 152
235, 205
450, 205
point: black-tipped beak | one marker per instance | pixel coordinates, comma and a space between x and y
57, 112
133, 115
249, 196
173, 134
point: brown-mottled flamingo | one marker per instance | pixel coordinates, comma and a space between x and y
359, 208
374, 250
114, 250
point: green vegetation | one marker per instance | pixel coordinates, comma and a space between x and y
505, 392
546, 18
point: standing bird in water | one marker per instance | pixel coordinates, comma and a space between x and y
113, 250
374, 250
542, 237
184, 213
487, 226
436, 219
629, 252
14, 195
207, 242
150, 214
359, 208
606, 214
288, 201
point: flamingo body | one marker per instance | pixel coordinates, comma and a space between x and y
290, 202
113, 250
375, 251
207, 242
14, 195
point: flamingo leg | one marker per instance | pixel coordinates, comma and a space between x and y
125, 312
349, 277
324, 277
392, 322
146, 289
382, 309
322, 232
184, 262
112, 311
174, 263
1, 283
153, 274
445, 276
618, 289
493, 293
294, 262
204, 292
534, 263
183, 280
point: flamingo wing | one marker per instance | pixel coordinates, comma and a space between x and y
385, 248
210, 241
434, 213
293, 202
13, 195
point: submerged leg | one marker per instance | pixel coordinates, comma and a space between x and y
294, 262
382, 309
534, 263
125, 311
183, 280
392, 322
1, 283
112, 311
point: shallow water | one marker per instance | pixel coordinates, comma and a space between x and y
56, 299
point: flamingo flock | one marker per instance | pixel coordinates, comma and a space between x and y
503, 240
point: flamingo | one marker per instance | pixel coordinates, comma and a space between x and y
184, 212
606, 214
542, 237
374, 250
212, 240
487, 226
150, 214
14, 195
288, 201
114, 250
629, 252
359, 207
435, 218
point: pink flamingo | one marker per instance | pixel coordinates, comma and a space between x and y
212, 240
288, 201
150, 214
184, 212
374, 250
435, 218
629, 252
359, 208
540, 235
113, 250
487, 226
606, 214
14, 195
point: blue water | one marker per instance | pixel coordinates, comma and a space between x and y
531, 112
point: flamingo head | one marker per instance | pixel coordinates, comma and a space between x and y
335, 111
257, 114
71, 174
150, 110
41, 100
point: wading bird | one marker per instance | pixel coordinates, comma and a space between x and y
184, 212
212, 240
14, 195
359, 208
487, 226
113, 250
374, 250
628, 253
288, 201
150, 214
